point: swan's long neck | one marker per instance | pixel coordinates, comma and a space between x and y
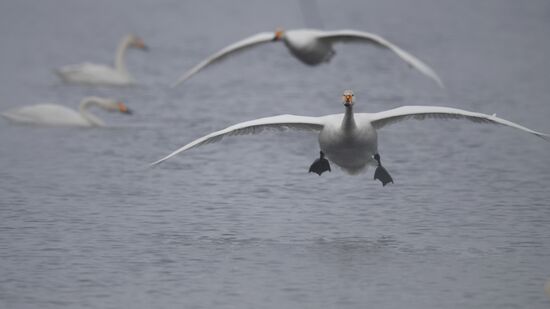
120, 62
348, 123
89, 117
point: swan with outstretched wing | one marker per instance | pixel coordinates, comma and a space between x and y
312, 47
350, 140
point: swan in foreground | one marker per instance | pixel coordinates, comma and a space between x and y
312, 47
349, 140
98, 74
58, 115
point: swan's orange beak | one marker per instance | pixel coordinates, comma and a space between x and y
123, 109
138, 43
347, 99
278, 34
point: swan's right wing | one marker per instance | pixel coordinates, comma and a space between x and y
384, 118
362, 36
260, 38
281, 122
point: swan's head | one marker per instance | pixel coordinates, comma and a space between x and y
115, 106
121, 107
348, 98
137, 42
279, 32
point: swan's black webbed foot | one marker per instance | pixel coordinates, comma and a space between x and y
320, 165
381, 173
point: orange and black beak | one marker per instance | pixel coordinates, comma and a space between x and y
278, 34
348, 99
123, 109
141, 45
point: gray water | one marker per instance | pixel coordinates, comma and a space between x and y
241, 224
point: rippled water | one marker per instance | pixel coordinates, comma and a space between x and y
240, 224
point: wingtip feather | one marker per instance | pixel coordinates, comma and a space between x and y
157, 162
545, 137
440, 83
181, 79
154, 163
176, 83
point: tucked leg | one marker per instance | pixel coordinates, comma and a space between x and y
320, 165
381, 173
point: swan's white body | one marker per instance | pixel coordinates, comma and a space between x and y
98, 74
350, 140
58, 115
94, 74
312, 47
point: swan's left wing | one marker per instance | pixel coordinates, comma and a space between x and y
254, 40
384, 118
281, 122
361, 36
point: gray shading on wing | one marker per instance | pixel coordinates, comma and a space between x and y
385, 118
254, 40
281, 122
361, 36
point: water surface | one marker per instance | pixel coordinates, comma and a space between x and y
240, 224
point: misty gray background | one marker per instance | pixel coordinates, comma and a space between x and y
240, 224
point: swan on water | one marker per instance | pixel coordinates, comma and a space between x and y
98, 74
58, 115
350, 140
312, 47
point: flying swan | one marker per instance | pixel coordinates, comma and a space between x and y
312, 47
349, 140
98, 74
58, 115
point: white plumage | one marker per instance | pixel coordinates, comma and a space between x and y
57, 115
350, 139
312, 47
99, 74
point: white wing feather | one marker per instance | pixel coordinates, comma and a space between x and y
361, 36
239, 46
281, 122
384, 118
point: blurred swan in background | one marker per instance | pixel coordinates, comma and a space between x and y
312, 47
98, 74
349, 140
58, 115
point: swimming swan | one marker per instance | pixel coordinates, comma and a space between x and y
58, 115
98, 74
349, 140
312, 47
